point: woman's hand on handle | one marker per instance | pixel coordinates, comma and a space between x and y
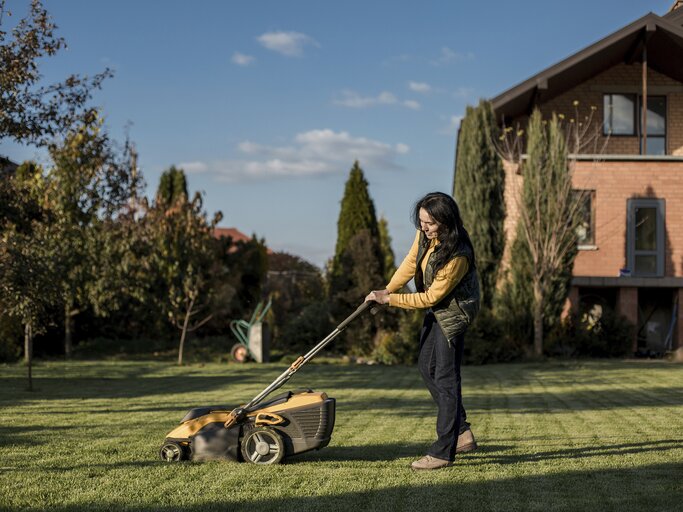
379, 296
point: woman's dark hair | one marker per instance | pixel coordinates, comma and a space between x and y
444, 210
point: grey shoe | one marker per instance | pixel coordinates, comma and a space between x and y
466, 442
429, 462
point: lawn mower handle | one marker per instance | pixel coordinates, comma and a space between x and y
239, 413
353, 315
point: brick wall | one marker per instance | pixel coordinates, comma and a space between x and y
620, 78
614, 183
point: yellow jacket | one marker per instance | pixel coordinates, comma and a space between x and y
445, 279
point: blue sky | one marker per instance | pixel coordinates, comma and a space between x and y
266, 104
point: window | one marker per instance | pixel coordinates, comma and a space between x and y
645, 245
656, 126
622, 116
585, 231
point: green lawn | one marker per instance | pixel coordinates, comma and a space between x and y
554, 436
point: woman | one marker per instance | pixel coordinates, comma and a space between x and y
441, 260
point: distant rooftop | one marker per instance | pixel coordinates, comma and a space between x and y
234, 233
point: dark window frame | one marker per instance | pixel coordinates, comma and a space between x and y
637, 119
589, 243
639, 108
660, 251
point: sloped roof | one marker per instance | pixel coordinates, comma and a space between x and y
664, 39
675, 14
234, 233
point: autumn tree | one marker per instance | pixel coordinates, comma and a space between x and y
31, 112
87, 185
184, 254
27, 266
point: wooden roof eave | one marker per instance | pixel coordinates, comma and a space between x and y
617, 47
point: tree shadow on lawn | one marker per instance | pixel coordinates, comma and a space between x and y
579, 400
486, 454
22, 436
646, 488
541, 402
14, 390
495, 455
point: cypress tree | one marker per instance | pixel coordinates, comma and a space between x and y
357, 212
358, 264
172, 187
479, 186
387, 251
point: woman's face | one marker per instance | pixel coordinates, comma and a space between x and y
428, 225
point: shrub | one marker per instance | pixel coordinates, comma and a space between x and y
400, 346
606, 335
488, 341
306, 329
10, 339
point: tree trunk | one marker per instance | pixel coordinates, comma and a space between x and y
28, 353
538, 320
184, 332
68, 330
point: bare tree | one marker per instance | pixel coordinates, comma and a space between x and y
548, 205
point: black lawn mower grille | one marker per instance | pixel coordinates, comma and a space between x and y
308, 421
312, 423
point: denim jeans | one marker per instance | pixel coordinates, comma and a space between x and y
439, 364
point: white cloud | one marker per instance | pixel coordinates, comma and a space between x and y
289, 44
241, 59
447, 56
312, 153
193, 167
352, 99
452, 127
420, 87
412, 104
463, 92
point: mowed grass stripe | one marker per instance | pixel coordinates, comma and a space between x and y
88, 442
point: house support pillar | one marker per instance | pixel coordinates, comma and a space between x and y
571, 305
627, 306
678, 337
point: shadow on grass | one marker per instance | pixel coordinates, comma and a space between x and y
492, 455
14, 390
108, 381
485, 455
25, 435
646, 488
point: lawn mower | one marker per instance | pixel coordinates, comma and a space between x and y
260, 432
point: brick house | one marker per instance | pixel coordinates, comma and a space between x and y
631, 248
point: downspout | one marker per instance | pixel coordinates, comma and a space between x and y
643, 115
